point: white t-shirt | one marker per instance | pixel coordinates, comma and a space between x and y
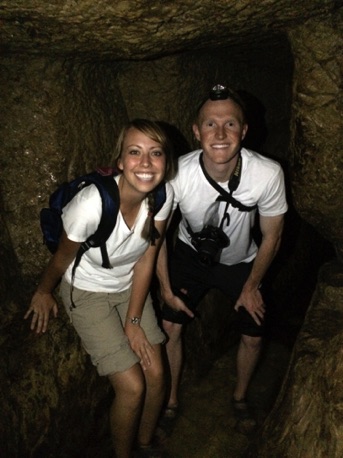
261, 184
125, 246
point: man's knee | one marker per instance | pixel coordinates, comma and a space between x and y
251, 343
173, 330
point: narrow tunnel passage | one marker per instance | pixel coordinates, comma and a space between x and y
62, 116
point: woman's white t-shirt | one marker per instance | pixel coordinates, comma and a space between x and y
125, 246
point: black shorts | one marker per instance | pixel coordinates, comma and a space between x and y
186, 272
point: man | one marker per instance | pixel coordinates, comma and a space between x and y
219, 189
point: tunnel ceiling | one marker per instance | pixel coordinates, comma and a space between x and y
145, 29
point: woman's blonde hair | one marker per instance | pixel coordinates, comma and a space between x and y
155, 131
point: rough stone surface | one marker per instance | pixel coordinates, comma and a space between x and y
71, 73
313, 387
143, 29
317, 128
44, 382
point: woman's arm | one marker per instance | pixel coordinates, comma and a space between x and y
142, 275
43, 301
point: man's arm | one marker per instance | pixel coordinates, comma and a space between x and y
163, 276
250, 297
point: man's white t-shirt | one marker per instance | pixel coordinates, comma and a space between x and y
261, 184
125, 246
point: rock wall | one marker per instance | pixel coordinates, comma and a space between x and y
317, 133
306, 420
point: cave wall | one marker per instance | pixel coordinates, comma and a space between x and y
306, 420
317, 134
60, 117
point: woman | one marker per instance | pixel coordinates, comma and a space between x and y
113, 312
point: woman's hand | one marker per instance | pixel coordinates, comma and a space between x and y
41, 306
139, 344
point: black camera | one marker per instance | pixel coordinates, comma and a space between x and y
208, 242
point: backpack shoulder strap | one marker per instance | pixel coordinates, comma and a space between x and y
110, 203
160, 196
109, 193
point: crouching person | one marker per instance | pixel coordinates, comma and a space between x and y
111, 309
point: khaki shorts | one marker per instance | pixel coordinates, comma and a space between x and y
98, 319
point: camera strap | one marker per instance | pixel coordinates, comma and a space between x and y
233, 185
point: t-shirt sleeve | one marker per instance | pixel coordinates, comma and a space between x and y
81, 216
273, 200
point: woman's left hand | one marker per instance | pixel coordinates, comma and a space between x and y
139, 344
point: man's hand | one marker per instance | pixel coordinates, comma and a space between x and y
41, 306
176, 303
252, 301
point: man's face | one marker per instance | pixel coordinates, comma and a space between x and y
220, 129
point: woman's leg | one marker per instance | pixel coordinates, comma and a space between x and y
129, 387
154, 397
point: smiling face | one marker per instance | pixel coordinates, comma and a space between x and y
142, 162
220, 128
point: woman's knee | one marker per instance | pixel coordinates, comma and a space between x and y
129, 384
155, 373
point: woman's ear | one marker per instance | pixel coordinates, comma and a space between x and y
119, 164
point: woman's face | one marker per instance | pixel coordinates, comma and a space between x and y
142, 161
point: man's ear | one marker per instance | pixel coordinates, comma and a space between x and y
196, 132
244, 131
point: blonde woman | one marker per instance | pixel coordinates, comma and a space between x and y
112, 311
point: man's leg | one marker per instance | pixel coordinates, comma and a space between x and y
154, 397
175, 357
247, 357
129, 387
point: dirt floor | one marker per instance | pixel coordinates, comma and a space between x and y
206, 427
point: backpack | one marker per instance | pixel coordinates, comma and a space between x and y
51, 221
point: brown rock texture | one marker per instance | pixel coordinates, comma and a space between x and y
144, 29
306, 420
317, 122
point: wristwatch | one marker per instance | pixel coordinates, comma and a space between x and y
134, 320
